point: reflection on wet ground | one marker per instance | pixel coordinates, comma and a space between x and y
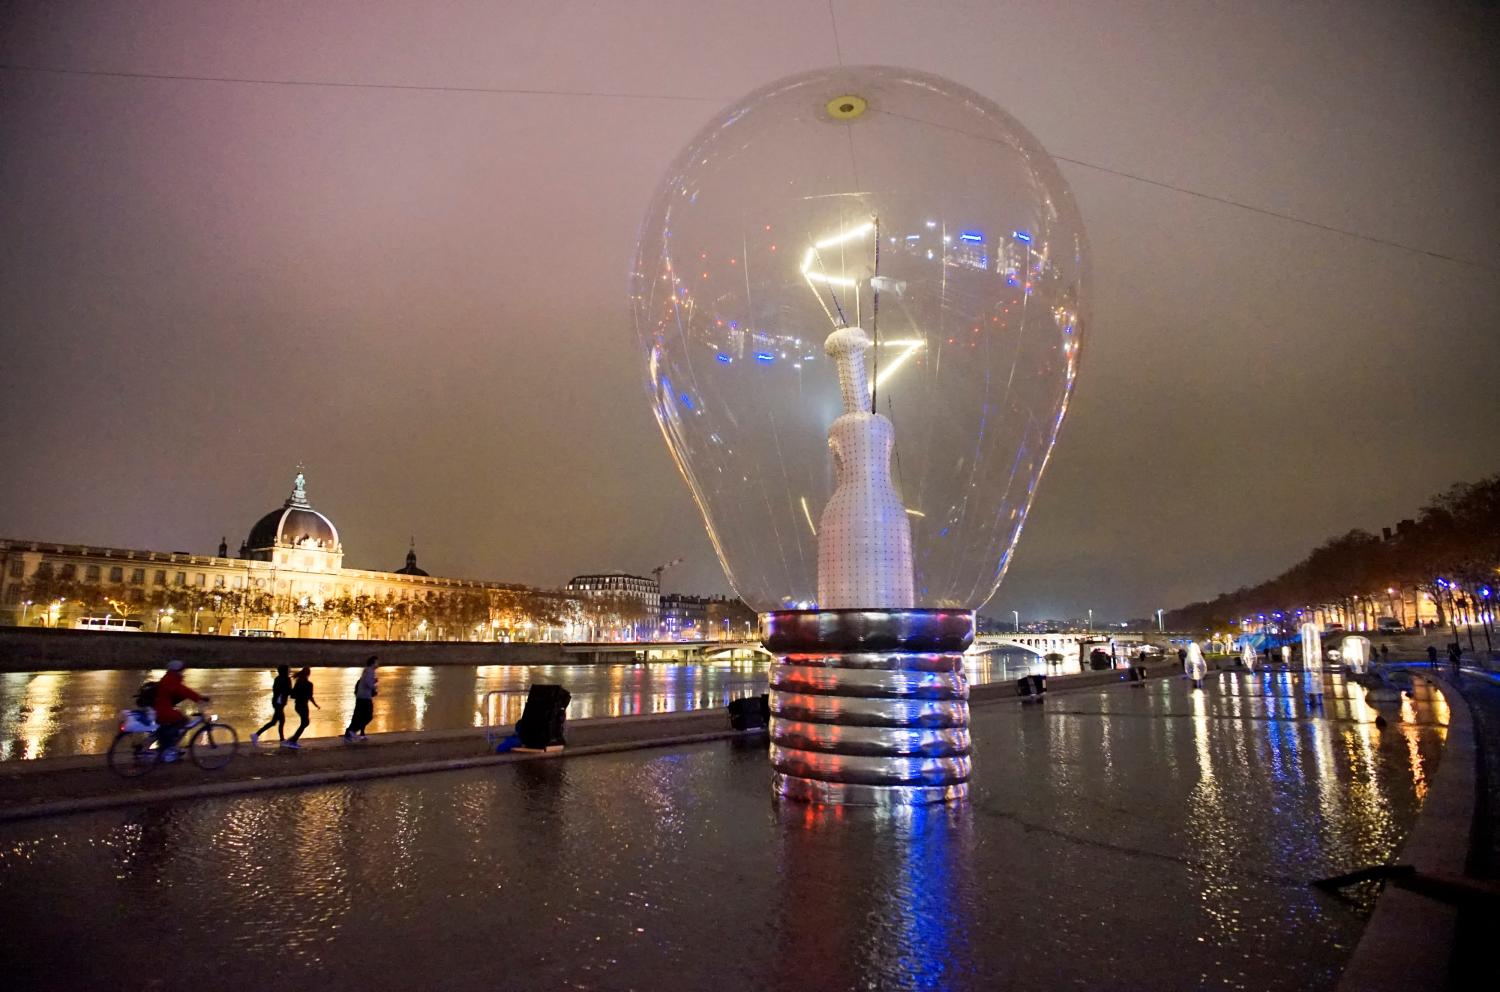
52, 714
1127, 838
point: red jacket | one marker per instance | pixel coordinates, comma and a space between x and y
169, 692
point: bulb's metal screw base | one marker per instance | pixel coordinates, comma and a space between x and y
870, 707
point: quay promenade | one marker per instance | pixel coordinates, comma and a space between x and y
1117, 838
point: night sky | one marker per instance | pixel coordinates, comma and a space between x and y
420, 293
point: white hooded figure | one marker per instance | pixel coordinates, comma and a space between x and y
1355, 653
1312, 662
1247, 655
1197, 668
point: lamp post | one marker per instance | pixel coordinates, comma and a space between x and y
1091, 620
1017, 615
26, 609
218, 612
1159, 628
389, 610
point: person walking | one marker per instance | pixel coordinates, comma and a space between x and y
364, 703
1247, 656
302, 695
1385, 653
1455, 655
281, 691
1431, 656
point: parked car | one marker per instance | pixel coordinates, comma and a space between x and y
1389, 625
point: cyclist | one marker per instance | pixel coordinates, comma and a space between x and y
170, 691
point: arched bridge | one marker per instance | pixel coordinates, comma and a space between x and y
1068, 645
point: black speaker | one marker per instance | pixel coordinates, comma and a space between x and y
750, 712
541, 723
1031, 687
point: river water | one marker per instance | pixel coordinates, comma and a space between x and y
55, 714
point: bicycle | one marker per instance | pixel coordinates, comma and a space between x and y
137, 748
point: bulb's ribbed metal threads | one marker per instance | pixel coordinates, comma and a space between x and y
870, 707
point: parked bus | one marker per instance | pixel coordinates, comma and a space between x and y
106, 623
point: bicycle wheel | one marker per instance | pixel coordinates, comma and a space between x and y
213, 746
133, 753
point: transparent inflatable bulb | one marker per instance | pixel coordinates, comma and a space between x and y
899, 215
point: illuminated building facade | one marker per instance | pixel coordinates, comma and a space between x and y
288, 579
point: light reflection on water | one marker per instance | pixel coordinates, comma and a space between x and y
1134, 838
50, 714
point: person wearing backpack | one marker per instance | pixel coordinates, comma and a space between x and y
364, 703
302, 694
281, 691
170, 691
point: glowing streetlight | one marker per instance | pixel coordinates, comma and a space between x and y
1017, 615
1159, 628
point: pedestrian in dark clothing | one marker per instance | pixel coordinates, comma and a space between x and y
1385, 652
302, 694
1455, 654
281, 691
1182, 659
364, 702
1432, 656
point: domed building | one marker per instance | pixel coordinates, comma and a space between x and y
296, 536
288, 579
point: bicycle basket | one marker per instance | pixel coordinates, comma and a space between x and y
137, 721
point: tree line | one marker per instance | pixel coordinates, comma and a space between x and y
1450, 552
512, 613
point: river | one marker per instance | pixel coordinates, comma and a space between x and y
56, 714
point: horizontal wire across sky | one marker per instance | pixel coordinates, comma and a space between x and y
593, 94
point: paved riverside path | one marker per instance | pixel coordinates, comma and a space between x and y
1115, 838
84, 781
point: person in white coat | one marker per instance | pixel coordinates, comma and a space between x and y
1312, 663
1247, 656
1197, 667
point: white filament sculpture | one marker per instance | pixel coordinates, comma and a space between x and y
864, 537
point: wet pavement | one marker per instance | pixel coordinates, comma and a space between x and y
1124, 838
58, 714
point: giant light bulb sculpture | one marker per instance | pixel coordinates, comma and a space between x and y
860, 293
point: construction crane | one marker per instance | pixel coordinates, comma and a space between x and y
662, 568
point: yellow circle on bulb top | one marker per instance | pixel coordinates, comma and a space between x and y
846, 108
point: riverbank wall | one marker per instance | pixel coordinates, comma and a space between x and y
32, 649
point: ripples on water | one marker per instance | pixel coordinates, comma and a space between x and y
1128, 839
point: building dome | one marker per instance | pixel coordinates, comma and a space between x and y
294, 525
411, 562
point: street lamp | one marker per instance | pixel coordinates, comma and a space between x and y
1017, 615
26, 609
1159, 628
1091, 620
